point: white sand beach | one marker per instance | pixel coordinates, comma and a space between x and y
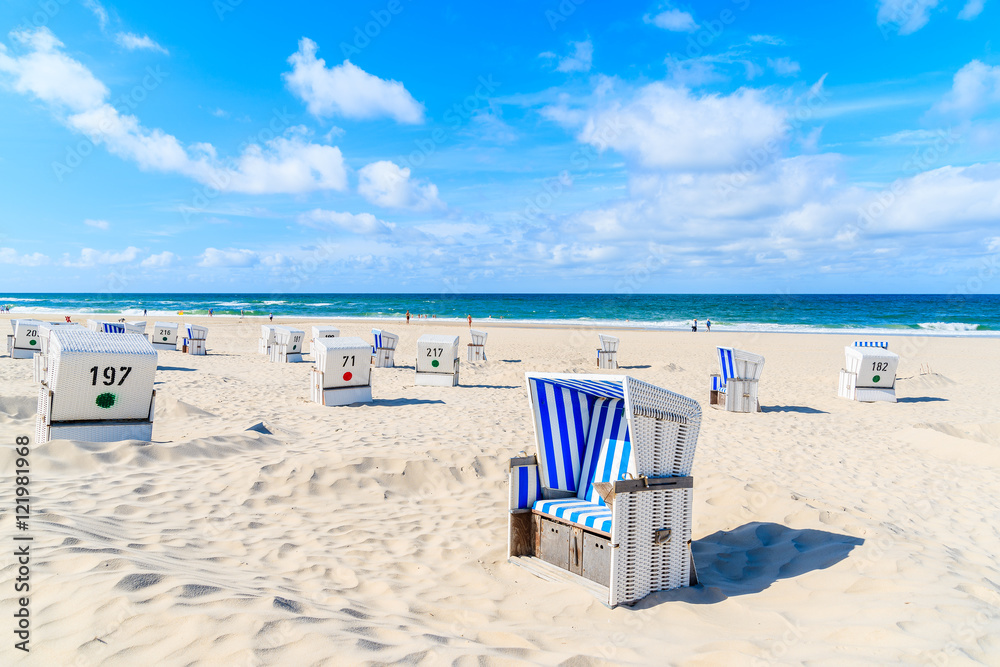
259, 528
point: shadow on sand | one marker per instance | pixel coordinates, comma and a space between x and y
801, 409
920, 399
750, 558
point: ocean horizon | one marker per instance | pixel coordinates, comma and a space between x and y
885, 314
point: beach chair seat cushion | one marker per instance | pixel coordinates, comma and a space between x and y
574, 510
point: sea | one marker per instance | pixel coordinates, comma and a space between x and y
914, 314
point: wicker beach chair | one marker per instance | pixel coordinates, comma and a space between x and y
607, 353
164, 336
25, 341
477, 348
321, 332
870, 373
437, 361
97, 388
266, 339
287, 347
342, 372
735, 387
194, 339
41, 361
384, 349
606, 502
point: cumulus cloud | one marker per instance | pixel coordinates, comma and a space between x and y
674, 20
159, 261
971, 10
347, 90
285, 164
579, 60
974, 87
907, 16
91, 257
134, 42
229, 258
386, 184
12, 256
356, 223
783, 66
103, 225
666, 127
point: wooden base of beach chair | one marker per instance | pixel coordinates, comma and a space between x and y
342, 395
477, 352
17, 353
741, 396
848, 389
196, 346
164, 347
607, 360
89, 431
437, 379
384, 358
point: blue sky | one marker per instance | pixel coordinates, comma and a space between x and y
404, 146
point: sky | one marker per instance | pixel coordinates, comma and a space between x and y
729, 146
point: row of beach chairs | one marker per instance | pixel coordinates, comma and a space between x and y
606, 502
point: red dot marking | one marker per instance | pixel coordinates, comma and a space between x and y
347, 376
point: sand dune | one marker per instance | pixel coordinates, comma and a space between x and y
259, 528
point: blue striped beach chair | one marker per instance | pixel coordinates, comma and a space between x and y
869, 374
735, 387
193, 340
606, 502
384, 349
884, 344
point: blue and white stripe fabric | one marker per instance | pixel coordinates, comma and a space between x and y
578, 511
608, 388
718, 384
726, 364
378, 340
112, 327
608, 451
884, 344
561, 420
525, 487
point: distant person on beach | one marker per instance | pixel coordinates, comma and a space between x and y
470, 321
144, 312
270, 317
708, 325
407, 317
694, 327
209, 312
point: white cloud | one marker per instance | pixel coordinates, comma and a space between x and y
97, 224
90, 257
665, 127
285, 164
386, 184
99, 11
971, 10
134, 42
215, 258
360, 223
159, 261
347, 90
767, 39
12, 256
974, 87
674, 20
907, 16
578, 61
783, 66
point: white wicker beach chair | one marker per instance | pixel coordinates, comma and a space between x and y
266, 339
136, 327
607, 500
343, 370
41, 361
25, 341
321, 332
287, 347
164, 336
193, 340
477, 348
97, 388
437, 361
384, 350
870, 374
736, 386
607, 353
95, 325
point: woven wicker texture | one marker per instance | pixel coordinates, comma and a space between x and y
96, 376
343, 362
874, 366
437, 354
164, 333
